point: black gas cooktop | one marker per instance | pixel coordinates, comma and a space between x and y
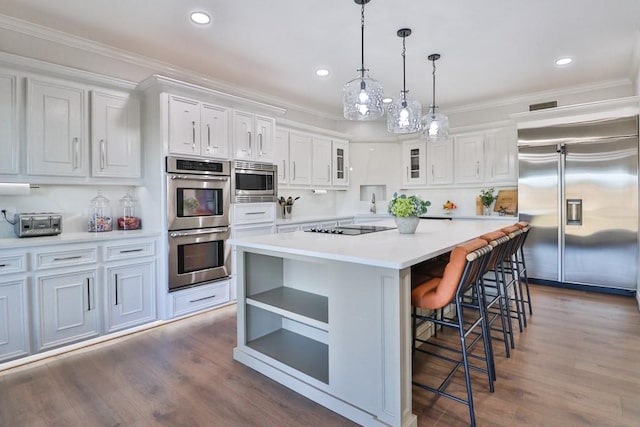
349, 230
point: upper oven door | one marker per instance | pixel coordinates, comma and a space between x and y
197, 201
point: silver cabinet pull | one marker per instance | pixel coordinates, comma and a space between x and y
329, 173
198, 232
284, 170
260, 140
202, 299
208, 137
294, 170
88, 294
196, 178
256, 213
249, 133
68, 258
432, 172
128, 251
75, 160
3, 265
103, 154
477, 169
407, 173
193, 135
116, 286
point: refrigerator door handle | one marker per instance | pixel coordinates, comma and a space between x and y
574, 211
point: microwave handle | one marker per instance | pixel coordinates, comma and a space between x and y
200, 178
198, 232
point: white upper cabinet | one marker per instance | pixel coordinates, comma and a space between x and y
198, 129
9, 142
115, 135
340, 163
253, 137
300, 152
214, 131
501, 156
440, 162
281, 158
321, 161
56, 130
414, 162
469, 158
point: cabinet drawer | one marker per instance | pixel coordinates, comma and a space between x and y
199, 298
129, 250
251, 213
13, 264
64, 258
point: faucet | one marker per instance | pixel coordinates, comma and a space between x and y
372, 209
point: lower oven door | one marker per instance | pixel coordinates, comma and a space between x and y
197, 256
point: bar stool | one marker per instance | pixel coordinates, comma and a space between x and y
525, 228
462, 274
495, 288
511, 268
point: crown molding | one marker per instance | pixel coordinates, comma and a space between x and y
503, 102
157, 66
293, 125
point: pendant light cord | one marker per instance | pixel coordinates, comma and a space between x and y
362, 69
404, 74
433, 105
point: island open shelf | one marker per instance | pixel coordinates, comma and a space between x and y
298, 305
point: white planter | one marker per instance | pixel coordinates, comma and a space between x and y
407, 225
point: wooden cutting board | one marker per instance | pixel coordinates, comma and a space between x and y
507, 200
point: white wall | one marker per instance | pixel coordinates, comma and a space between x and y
73, 202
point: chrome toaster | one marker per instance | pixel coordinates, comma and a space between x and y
33, 224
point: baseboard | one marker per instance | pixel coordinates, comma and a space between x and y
588, 288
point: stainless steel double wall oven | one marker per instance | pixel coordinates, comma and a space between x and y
198, 201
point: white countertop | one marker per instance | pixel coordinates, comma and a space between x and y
77, 237
311, 218
388, 249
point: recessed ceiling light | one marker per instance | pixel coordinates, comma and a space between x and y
387, 100
564, 61
201, 18
322, 72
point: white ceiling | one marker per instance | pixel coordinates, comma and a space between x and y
490, 49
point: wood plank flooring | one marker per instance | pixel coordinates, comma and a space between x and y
577, 364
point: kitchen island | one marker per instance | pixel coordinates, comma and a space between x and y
329, 315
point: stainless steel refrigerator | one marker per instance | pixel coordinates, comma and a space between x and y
578, 187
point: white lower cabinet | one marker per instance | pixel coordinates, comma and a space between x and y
199, 298
14, 332
67, 308
130, 295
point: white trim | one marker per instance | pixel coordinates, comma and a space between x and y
553, 93
621, 107
292, 125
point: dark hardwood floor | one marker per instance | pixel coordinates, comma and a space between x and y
577, 364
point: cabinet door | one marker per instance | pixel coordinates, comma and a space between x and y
131, 296
55, 129
469, 160
184, 125
501, 156
340, 163
115, 135
321, 161
14, 335
414, 162
214, 131
9, 142
264, 149
440, 162
282, 155
67, 308
243, 135
300, 158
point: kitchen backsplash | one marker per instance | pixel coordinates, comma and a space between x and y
73, 202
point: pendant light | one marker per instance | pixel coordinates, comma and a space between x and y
435, 126
362, 96
404, 116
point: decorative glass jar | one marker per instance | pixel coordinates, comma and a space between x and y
127, 220
100, 214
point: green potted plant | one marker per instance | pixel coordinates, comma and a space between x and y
405, 210
487, 197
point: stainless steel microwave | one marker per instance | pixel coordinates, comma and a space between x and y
254, 182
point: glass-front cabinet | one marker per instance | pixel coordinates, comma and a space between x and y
414, 162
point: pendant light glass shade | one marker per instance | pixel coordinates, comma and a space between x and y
362, 96
362, 99
434, 125
403, 116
